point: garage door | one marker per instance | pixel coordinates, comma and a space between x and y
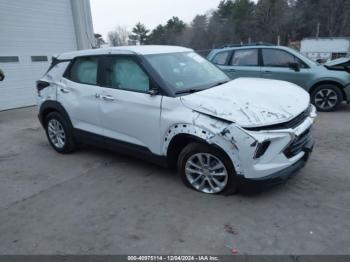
30, 33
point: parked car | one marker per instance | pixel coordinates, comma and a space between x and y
327, 85
173, 107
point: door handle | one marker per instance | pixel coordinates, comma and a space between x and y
64, 90
231, 70
108, 98
267, 73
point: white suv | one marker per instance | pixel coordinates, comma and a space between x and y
171, 106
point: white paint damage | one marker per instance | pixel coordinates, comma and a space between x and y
251, 102
240, 144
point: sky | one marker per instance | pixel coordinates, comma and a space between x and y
107, 14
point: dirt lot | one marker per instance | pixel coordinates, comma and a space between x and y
98, 202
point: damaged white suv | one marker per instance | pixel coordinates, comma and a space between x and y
171, 106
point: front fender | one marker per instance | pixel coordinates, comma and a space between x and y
226, 136
326, 79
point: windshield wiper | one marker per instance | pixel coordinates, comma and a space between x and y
219, 83
188, 91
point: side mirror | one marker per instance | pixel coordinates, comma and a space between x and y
2, 75
153, 92
295, 66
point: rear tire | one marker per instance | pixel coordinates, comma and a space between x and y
327, 97
59, 133
207, 169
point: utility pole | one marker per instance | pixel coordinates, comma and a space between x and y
318, 30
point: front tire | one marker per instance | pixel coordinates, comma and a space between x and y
327, 97
59, 133
207, 169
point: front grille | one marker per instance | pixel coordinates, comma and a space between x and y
290, 124
298, 144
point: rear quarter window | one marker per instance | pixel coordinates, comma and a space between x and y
83, 70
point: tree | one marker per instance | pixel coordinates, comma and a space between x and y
272, 20
119, 36
232, 22
198, 33
157, 36
99, 40
172, 33
140, 32
174, 30
242, 21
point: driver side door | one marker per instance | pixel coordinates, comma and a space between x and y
276, 65
130, 114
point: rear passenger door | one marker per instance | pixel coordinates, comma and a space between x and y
77, 92
244, 63
130, 115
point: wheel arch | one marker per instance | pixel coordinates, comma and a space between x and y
52, 106
176, 140
328, 82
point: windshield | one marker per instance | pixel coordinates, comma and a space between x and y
186, 71
304, 57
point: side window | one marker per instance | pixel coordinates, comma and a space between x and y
279, 58
221, 58
245, 57
124, 73
84, 70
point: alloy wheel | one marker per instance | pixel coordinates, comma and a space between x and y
326, 99
56, 133
206, 173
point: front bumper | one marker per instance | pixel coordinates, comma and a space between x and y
283, 175
287, 149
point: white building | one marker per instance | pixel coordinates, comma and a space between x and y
325, 48
31, 31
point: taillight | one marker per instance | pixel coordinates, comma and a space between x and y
40, 85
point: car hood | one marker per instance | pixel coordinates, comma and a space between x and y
251, 102
339, 61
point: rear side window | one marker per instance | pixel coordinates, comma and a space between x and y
84, 70
279, 58
245, 57
123, 72
221, 58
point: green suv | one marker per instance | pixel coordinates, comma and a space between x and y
328, 85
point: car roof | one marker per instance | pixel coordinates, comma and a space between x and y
252, 46
132, 50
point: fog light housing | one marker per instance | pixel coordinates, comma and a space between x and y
261, 149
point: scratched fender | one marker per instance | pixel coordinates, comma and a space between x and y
227, 136
241, 144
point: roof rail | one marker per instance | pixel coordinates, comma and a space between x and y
248, 44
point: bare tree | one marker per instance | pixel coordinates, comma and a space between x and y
119, 36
